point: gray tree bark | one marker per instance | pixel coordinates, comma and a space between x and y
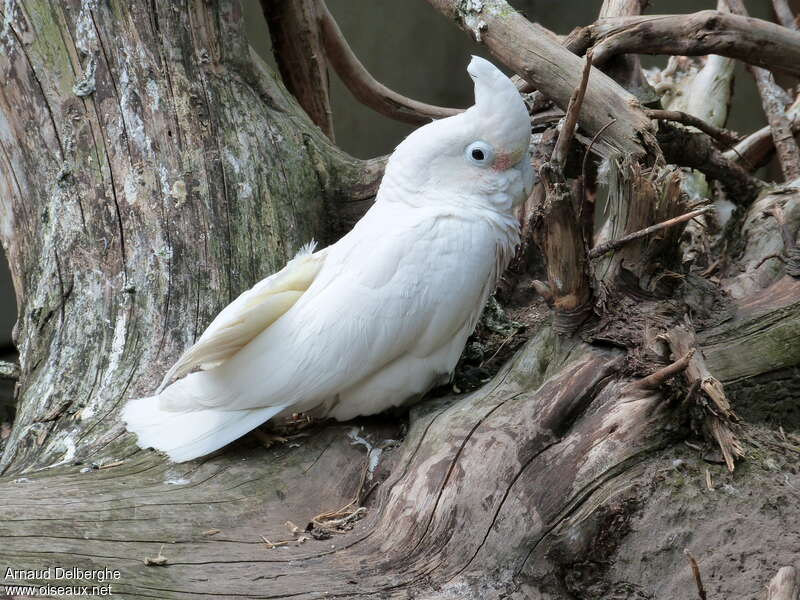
153, 167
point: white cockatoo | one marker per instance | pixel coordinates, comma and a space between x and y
379, 317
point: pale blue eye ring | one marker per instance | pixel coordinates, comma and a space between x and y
480, 154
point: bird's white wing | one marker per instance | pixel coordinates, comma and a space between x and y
250, 314
384, 292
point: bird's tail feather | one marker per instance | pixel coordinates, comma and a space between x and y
185, 435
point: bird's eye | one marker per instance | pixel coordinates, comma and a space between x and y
480, 154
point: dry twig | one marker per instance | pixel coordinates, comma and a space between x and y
719, 416
723, 136
698, 580
614, 244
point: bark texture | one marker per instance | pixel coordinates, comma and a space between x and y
151, 168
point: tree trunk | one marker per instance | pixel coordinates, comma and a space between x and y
153, 168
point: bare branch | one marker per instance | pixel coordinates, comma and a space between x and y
696, 150
567, 132
614, 244
753, 41
536, 55
755, 149
775, 108
724, 136
655, 380
780, 125
364, 86
784, 14
296, 44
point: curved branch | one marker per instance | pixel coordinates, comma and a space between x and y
532, 51
754, 150
725, 137
772, 100
364, 86
750, 40
696, 150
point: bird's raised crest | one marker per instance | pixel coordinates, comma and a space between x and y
499, 105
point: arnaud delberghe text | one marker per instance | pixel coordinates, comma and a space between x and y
61, 573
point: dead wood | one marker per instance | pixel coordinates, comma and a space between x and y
696, 150
755, 150
363, 86
707, 391
560, 477
774, 104
785, 585
536, 55
780, 125
558, 227
784, 14
655, 380
752, 41
614, 244
298, 50
723, 136
627, 69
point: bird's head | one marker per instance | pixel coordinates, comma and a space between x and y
479, 155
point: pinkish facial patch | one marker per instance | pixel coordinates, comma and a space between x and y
506, 160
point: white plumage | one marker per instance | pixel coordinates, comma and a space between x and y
379, 317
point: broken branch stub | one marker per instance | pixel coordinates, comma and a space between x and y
558, 228
720, 419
